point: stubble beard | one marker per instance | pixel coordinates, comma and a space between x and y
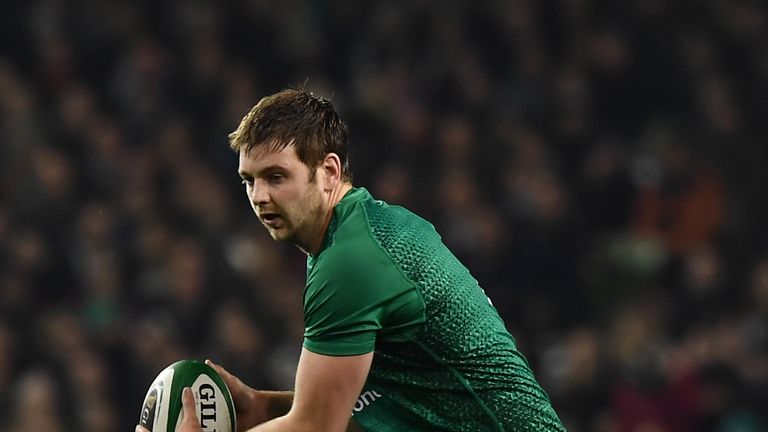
302, 222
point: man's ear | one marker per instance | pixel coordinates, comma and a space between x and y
331, 168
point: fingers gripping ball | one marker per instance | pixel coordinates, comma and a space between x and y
162, 408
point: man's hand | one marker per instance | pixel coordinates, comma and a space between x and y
250, 409
189, 421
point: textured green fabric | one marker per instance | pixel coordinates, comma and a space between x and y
443, 359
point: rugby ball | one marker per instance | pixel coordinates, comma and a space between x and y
162, 409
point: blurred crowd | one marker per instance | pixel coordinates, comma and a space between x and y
597, 165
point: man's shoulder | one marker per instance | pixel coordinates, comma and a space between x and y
357, 252
352, 254
361, 205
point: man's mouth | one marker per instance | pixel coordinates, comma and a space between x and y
269, 218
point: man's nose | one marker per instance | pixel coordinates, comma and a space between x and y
259, 194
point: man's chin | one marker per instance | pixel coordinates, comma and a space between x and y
278, 234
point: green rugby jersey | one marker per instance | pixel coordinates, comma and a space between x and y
443, 359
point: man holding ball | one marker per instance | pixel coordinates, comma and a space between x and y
398, 334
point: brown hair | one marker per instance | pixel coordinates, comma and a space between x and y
294, 117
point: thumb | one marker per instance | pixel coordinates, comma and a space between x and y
190, 413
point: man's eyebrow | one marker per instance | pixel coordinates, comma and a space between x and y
266, 170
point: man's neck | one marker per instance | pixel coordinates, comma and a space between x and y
334, 197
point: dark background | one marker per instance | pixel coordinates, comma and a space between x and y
599, 166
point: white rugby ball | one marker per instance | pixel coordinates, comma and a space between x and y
162, 411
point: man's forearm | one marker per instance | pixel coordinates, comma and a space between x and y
278, 404
285, 423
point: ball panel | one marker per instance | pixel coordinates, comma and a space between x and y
210, 406
227, 405
154, 411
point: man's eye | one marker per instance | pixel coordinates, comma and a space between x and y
247, 182
275, 178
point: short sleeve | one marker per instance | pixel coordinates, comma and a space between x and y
353, 294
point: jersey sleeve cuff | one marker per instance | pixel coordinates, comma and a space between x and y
339, 348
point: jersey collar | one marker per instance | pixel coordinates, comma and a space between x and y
341, 211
